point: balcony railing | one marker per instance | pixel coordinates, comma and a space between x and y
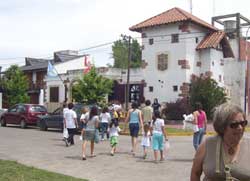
36, 86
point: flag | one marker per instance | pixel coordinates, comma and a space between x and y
51, 71
87, 64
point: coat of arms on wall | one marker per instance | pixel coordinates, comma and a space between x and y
162, 61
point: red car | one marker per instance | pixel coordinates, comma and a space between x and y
23, 114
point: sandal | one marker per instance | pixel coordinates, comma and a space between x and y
93, 156
83, 158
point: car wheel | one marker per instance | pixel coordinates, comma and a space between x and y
2, 122
23, 124
43, 127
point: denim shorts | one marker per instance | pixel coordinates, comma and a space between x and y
134, 129
82, 125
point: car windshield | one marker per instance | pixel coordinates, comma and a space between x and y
37, 109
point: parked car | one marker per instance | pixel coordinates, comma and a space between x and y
55, 119
23, 114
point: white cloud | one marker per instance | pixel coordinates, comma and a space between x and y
38, 27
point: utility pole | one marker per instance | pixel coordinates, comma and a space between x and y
128, 71
246, 97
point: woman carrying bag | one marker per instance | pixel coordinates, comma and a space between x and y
91, 132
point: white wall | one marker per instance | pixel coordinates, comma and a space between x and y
185, 49
136, 75
63, 67
216, 67
235, 80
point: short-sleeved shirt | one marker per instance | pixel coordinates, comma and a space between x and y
91, 123
105, 117
157, 126
114, 131
85, 116
156, 106
70, 116
65, 110
147, 113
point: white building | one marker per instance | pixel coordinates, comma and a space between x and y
178, 46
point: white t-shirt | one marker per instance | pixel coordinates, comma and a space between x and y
69, 116
65, 110
92, 123
157, 126
114, 131
85, 116
105, 117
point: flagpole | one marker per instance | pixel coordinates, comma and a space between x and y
64, 83
56, 71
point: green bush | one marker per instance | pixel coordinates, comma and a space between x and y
175, 110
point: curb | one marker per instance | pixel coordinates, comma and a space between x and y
175, 134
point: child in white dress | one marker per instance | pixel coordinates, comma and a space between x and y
145, 142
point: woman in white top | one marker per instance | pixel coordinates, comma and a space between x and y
105, 119
159, 134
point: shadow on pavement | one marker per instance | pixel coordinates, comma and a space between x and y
180, 159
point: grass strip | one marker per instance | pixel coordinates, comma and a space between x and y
13, 171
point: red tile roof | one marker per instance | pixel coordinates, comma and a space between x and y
212, 40
171, 16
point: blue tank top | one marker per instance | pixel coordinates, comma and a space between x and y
134, 116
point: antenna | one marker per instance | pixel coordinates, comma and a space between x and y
191, 7
213, 7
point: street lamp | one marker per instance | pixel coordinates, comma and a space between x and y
247, 72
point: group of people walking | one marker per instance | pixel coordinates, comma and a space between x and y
224, 156
148, 120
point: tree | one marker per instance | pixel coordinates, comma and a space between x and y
91, 88
15, 85
208, 93
120, 53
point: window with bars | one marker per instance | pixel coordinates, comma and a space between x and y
162, 60
175, 88
151, 41
175, 38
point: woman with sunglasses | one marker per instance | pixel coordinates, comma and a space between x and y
225, 156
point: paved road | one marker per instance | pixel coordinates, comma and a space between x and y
46, 150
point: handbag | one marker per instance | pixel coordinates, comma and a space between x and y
195, 128
65, 133
97, 139
166, 148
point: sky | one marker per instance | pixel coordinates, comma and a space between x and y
37, 28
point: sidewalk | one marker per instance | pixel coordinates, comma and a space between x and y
46, 150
